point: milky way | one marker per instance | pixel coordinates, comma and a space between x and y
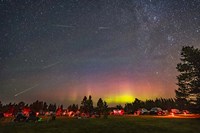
110, 48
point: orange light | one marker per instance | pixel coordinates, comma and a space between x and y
172, 114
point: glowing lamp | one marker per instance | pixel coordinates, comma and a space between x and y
37, 113
172, 114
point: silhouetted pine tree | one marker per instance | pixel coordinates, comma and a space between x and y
189, 78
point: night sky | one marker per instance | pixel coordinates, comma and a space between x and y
61, 50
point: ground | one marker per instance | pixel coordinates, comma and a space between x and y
114, 124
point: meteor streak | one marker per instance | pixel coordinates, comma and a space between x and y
51, 65
25, 90
64, 26
103, 28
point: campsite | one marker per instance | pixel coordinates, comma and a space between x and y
122, 124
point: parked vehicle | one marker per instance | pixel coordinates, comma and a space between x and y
156, 111
7, 114
32, 117
175, 111
118, 112
20, 117
142, 111
186, 112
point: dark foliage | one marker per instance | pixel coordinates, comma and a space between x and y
188, 93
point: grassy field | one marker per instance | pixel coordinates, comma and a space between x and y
117, 124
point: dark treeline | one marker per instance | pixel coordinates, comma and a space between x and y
37, 106
165, 104
101, 108
42, 107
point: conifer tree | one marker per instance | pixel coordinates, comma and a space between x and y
189, 77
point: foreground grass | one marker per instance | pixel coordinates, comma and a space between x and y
118, 124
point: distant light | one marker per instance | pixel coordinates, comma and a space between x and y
37, 113
172, 114
40, 119
118, 112
7, 114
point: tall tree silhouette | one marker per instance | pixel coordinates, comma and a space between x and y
90, 105
100, 106
105, 109
87, 105
73, 107
83, 107
189, 77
